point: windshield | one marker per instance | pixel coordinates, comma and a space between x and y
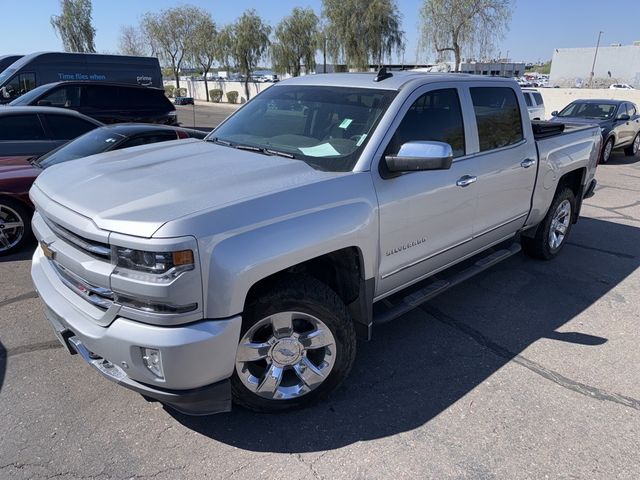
6, 74
327, 127
601, 111
95, 141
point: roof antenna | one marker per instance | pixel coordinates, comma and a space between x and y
383, 74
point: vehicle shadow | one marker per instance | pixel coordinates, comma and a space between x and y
3, 364
619, 158
24, 253
428, 360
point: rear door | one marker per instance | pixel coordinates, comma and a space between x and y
63, 128
628, 128
505, 162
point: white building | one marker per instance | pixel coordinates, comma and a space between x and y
571, 67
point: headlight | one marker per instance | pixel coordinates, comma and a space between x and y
153, 262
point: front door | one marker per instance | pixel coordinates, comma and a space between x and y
425, 217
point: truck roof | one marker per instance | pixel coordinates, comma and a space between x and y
394, 82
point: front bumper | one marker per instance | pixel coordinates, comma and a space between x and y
197, 358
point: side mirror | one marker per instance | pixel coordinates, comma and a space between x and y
420, 156
624, 118
554, 113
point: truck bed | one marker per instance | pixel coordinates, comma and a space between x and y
544, 129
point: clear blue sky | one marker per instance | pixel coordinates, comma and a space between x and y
538, 26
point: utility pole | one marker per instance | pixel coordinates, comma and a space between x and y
595, 56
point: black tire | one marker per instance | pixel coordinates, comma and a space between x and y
604, 150
632, 150
539, 246
24, 214
300, 293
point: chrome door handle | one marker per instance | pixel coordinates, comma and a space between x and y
466, 181
529, 162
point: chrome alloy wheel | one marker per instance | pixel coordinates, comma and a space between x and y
608, 148
285, 355
560, 224
11, 228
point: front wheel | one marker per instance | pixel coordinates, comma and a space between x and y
15, 225
298, 343
633, 149
606, 151
553, 231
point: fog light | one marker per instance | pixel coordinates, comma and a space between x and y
153, 361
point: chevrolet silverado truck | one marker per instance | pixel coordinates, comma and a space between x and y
244, 268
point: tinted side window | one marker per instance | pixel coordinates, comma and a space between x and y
435, 116
538, 98
99, 96
631, 110
66, 96
622, 110
21, 127
64, 127
527, 99
498, 117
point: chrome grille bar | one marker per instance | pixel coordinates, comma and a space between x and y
98, 296
95, 248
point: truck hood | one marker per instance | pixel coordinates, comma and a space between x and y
135, 191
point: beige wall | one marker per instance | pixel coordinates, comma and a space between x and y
197, 91
558, 98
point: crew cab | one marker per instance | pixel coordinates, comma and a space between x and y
244, 268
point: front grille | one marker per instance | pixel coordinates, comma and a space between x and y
93, 248
99, 296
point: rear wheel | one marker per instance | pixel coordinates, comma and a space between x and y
633, 149
606, 151
15, 225
554, 229
298, 344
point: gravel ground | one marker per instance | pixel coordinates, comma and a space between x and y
528, 371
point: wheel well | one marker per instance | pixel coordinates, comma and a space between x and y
574, 180
342, 271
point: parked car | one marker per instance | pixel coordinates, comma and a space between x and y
619, 123
184, 101
106, 102
245, 266
27, 132
621, 86
535, 104
18, 174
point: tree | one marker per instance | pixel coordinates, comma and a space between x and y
449, 26
250, 43
296, 42
362, 32
171, 32
74, 26
224, 46
132, 42
204, 46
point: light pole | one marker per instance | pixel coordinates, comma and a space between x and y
595, 56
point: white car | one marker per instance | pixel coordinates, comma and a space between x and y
535, 103
621, 86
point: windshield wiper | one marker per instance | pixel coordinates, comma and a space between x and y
252, 148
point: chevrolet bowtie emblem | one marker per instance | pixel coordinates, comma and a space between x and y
47, 251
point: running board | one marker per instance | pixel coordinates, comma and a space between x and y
436, 286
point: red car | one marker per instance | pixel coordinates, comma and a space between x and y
17, 174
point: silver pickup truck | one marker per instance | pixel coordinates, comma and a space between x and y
244, 267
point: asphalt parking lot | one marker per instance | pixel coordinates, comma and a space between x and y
204, 116
528, 371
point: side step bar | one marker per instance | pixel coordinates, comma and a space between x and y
437, 286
